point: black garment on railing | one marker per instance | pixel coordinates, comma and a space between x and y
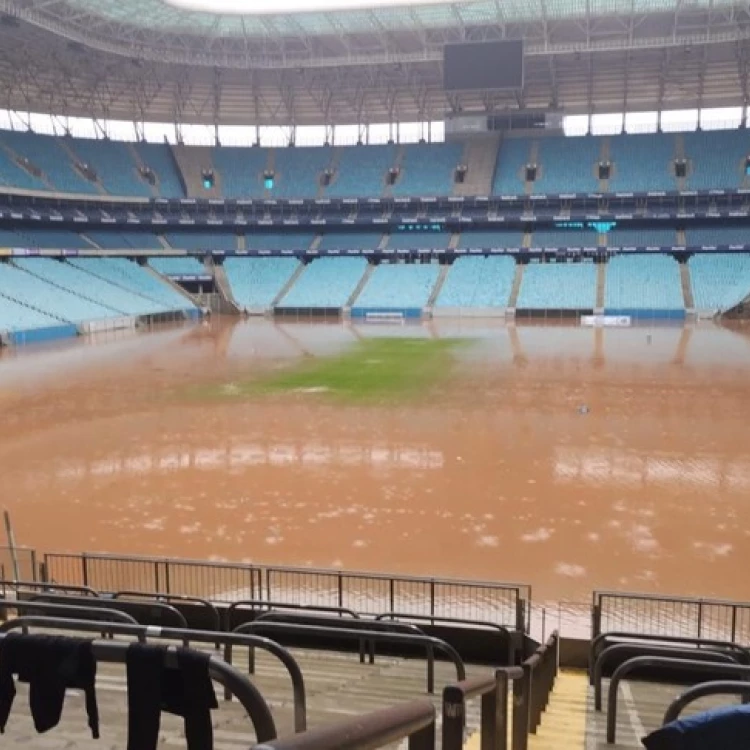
725, 728
185, 690
49, 664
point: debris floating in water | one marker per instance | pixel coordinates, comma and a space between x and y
583, 409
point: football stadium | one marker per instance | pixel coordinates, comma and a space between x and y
371, 372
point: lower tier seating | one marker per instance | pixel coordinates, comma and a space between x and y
326, 283
399, 285
643, 282
719, 281
256, 282
478, 281
558, 286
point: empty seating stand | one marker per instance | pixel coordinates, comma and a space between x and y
361, 171
558, 287
645, 286
325, 284
256, 282
720, 281
476, 285
428, 169
400, 288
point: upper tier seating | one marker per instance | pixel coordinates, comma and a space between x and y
513, 156
296, 241
192, 240
642, 237
121, 240
47, 153
181, 266
720, 281
158, 156
256, 282
350, 241
478, 281
489, 239
564, 238
326, 283
418, 240
298, 171
130, 275
567, 165
361, 171
717, 158
399, 285
114, 165
428, 169
13, 175
17, 317
643, 282
30, 290
56, 239
66, 276
718, 235
241, 170
558, 286
642, 162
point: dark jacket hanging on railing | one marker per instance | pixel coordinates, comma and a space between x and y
724, 728
49, 664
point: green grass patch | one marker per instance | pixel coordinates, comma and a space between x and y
373, 370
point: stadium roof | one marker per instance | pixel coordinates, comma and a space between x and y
151, 60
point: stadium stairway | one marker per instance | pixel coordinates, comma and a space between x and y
170, 282
289, 284
687, 288
480, 158
601, 283
191, 161
437, 288
516, 288
224, 289
360, 286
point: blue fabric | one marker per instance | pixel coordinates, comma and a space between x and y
725, 728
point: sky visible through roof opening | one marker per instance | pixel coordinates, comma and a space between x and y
251, 7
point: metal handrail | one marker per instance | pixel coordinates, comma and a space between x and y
493, 691
717, 687
544, 660
48, 587
115, 652
302, 618
666, 639
430, 644
214, 613
681, 665
264, 604
97, 614
504, 629
144, 632
155, 606
634, 649
415, 720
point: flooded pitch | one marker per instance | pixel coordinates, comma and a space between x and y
564, 457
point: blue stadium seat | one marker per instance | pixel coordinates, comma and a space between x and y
279, 241
428, 169
478, 281
350, 241
13, 174
114, 240
298, 171
241, 170
558, 286
114, 165
361, 171
256, 282
202, 241
717, 158
720, 281
46, 153
418, 240
718, 235
326, 283
642, 237
642, 162
15, 316
648, 283
564, 238
568, 165
486, 240
56, 239
399, 285
178, 266
159, 157
513, 156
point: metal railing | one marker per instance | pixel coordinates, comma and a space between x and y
263, 605
604, 640
25, 559
27, 586
633, 650
365, 593
493, 691
414, 721
147, 632
115, 652
213, 613
97, 614
678, 616
703, 689
374, 636
680, 665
